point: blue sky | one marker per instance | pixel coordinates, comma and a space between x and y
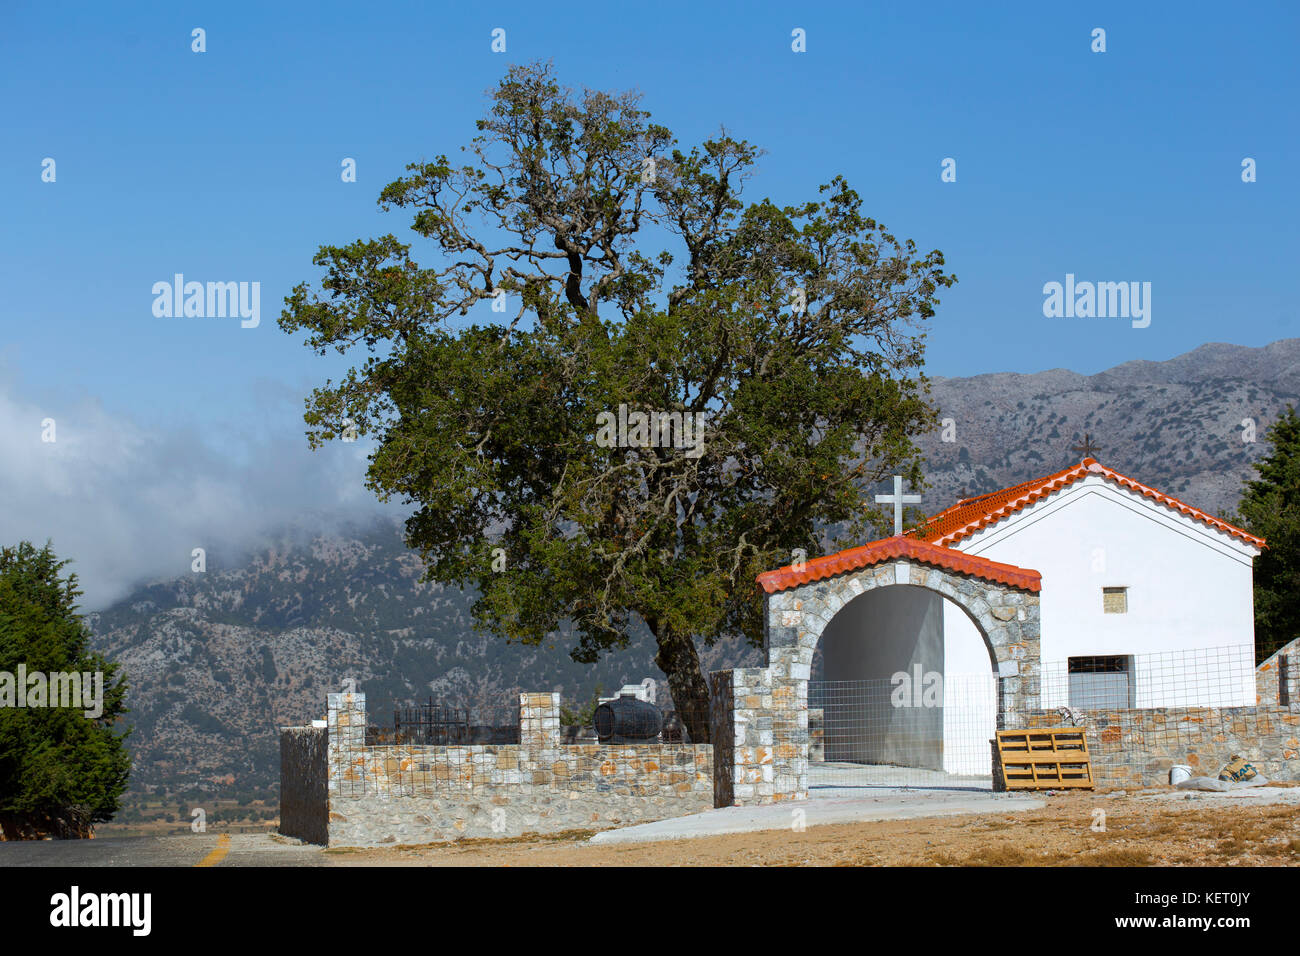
224, 165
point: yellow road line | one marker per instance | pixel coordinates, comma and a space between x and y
219, 854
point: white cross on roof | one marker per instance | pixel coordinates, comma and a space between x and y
898, 499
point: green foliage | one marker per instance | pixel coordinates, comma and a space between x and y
585, 715
60, 772
663, 292
1270, 508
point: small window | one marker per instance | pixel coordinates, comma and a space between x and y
1101, 682
1110, 664
1114, 600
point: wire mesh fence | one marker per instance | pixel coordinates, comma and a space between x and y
933, 731
928, 729
1146, 714
917, 729
1201, 677
456, 721
444, 722
444, 746
612, 720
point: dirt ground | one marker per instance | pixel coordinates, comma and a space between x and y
1067, 832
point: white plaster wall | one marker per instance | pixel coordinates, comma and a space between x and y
970, 710
1189, 590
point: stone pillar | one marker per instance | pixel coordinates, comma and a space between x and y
539, 736
742, 716
788, 617
1029, 653
1010, 622
1010, 714
790, 739
345, 718
791, 667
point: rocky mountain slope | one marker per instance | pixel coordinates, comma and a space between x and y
217, 661
1175, 425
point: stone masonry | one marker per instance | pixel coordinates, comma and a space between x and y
1007, 616
405, 794
742, 713
1137, 748
1277, 680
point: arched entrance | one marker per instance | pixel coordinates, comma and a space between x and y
761, 721
902, 692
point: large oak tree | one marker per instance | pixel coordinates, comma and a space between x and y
578, 260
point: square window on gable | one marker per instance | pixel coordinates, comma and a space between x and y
1114, 600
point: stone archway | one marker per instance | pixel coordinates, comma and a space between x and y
760, 714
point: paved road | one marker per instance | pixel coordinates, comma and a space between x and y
832, 805
856, 776
829, 804
195, 849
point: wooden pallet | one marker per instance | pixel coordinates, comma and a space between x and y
1046, 758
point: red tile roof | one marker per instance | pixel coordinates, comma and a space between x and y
888, 549
932, 542
971, 514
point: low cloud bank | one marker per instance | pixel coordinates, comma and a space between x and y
129, 504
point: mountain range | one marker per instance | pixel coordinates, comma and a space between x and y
217, 661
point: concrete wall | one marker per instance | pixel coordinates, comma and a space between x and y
304, 805
384, 795
1189, 586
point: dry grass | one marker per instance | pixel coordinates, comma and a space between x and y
1137, 833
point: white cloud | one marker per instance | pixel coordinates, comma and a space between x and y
129, 504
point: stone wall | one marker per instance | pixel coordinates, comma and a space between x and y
1137, 748
304, 805
407, 794
1277, 680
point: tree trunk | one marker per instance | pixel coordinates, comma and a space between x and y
678, 659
